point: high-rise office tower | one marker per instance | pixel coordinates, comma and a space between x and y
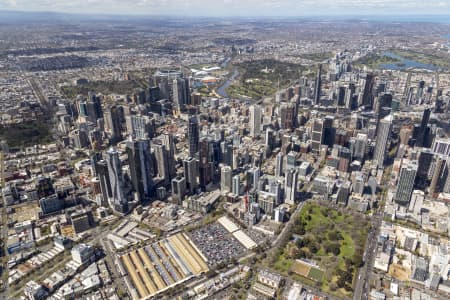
269, 140
236, 188
441, 146
95, 157
425, 160
421, 138
82, 108
193, 135
367, 98
253, 175
167, 140
349, 96
318, 86
341, 96
117, 200
205, 165
255, 120
344, 156
439, 174
178, 189
141, 172
445, 178
288, 115
290, 186
420, 90
94, 108
227, 152
140, 127
225, 179
162, 161
275, 188
191, 174
181, 92
384, 104
319, 132
153, 94
360, 146
101, 168
113, 123
384, 131
291, 160
406, 182
279, 165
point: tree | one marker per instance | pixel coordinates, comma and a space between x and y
332, 235
314, 247
357, 260
345, 277
332, 248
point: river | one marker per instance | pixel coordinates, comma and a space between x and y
448, 38
405, 63
221, 91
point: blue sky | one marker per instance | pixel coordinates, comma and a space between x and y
236, 7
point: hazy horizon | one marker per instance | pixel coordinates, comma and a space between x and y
234, 8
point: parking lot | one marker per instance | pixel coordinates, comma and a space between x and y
217, 244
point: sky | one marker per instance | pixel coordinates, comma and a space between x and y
236, 7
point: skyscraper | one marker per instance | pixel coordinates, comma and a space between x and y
269, 140
384, 104
384, 130
406, 183
359, 148
319, 132
227, 152
178, 189
367, 99
105, 185
253, 177
181, 92
167, 140
255, 120
93, 108
423, 128
290, 186
279, 165
140, 127
141, 172
236, 188
191, 174
225, 179
425, 160
318, 86
206, 157
441, 146
113, 118
117, 200
162, 161
288, 115
439, 174
193, 135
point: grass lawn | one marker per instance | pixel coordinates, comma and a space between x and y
260, 78
316, 274
26, 134
374, 61
334, 240
283, 264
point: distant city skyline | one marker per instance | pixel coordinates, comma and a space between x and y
236, 8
